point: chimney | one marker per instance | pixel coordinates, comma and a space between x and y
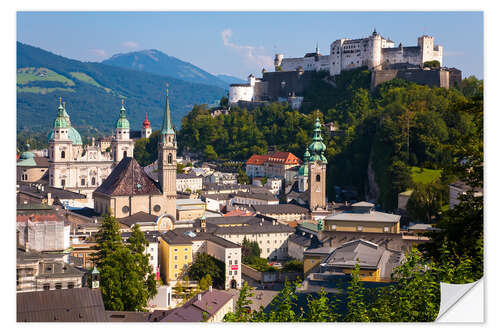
199, 297
210, 288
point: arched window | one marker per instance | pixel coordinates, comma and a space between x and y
124, 154
63, 182
318, 178
63, 154
93, 180
169, 158
83, 181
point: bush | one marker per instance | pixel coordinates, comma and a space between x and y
293, 266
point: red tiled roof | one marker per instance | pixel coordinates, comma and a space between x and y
257, 159
279, 157
239, 212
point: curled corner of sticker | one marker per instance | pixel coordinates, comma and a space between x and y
461, 302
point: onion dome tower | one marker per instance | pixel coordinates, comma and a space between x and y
317, 171
121, 145
317, 147
146, 128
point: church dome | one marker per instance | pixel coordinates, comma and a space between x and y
73, 135
26, 155
146, 123
122, 122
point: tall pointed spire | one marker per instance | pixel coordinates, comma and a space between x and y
317, 147
167, 128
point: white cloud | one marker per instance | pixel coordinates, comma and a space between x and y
98, 52
130, 44
254, 55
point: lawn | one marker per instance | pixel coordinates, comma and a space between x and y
32, 74
426, 176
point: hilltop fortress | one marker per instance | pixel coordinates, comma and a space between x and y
386, 61
375, 52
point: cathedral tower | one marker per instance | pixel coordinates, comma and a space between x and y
317, 171
60, 149
121, 145
167, 164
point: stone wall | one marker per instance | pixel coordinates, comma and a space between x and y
431, 78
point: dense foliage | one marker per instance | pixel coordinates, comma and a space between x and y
127, 281
380, 134
204, 265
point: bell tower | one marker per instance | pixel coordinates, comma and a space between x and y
317, 171
121, 145
167, 164
60, 149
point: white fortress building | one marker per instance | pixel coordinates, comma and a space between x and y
374, 51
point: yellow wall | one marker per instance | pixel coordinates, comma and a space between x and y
171, 255
352, 226
365, 275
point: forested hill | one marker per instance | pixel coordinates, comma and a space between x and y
157, 62
381, 134
92, 92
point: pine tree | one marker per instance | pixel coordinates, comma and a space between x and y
108, 239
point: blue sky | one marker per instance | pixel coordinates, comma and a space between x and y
240, 43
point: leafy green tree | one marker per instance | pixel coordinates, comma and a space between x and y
242, 177
241, 313
205, 282
284, 304
357, 310
138, 245
180, 168
210, 153
204, 265
224, 102
432, 64
320, 309
426, 201
108, 239
249, 250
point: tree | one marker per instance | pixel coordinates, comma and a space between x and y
242, 177
284, 304
108, 239
224, 102
426, 201
320, 309
204, 265
205, 282
432, 64
127, 281
249, 250
241, 313
356, 307
209, 153
138, 245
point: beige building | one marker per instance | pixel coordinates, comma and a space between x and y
190, 209
31, 168
79, 168
282, 212
129, 190
363, 218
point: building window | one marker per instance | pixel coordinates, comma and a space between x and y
360, 228
63, 182
46, 286
175, 257
93, 180
82, 181
156, 208
71, 285
63, 154
175, 275
185, 249
318, 178
124, 154
125, 209
59, 285
230, 262
333, 227
175, 250
185, 257
236, 262
175, 266
386, 229
268, 250
169, 158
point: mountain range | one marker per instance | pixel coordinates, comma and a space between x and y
157, 62
93, 91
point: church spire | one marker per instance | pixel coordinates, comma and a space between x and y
122, 121
317, 147
167, 128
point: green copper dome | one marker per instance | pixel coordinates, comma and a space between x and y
122, 122
317, 147
26, 155
304, 170
73, 135
61, 121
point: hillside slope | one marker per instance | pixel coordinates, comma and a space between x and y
159, 63
93, 91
